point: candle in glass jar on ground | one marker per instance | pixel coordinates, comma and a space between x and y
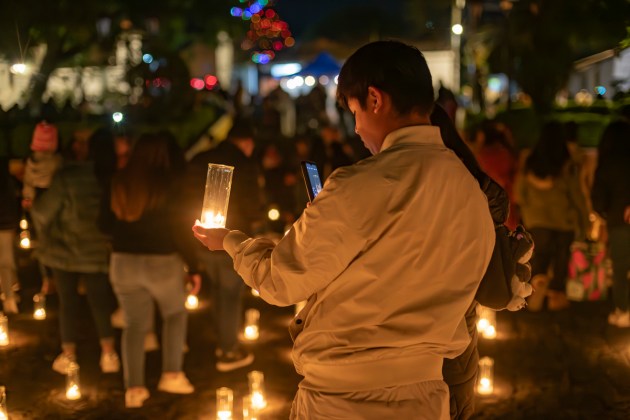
39, 306
25, 239
192, 302
487, 322
256, 381
216, 196
4, 330
4, 411
249, 411
73, 387
485, 383
225, 398
251, 331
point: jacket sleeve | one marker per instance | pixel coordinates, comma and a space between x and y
308, 258
47, 206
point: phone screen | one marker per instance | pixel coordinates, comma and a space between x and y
312, 179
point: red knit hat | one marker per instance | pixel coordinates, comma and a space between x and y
44, 138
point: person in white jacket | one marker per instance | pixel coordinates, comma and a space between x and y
389, 254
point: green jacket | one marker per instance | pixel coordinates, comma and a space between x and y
65, 217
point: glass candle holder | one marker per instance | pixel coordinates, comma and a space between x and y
192, 302
256, 381
25, 239
73, 387
4, 413
217, 195
486, 322
251, 331
4, 330
249, 411
39, 306
485, 384
225, 398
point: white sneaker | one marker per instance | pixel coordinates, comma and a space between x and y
135, 397
151, 342
619, 319
110, 363
61, 363
176, 384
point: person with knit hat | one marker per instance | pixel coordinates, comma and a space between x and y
42, 163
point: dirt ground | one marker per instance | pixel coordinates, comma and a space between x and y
563, 365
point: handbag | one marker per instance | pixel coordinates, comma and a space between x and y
589, 272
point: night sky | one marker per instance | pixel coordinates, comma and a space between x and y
300, 14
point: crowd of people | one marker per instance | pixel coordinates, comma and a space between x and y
112, 219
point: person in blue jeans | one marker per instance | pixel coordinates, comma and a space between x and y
150, 250
611, 200
245, 214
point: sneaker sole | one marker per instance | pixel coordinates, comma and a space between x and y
226, 367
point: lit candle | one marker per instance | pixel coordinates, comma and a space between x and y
249, 412
225, 398
4, 330
73, 389
251, 331
255, 293
192, 302
257, 389
485, 384
487, 322
216, 196
23, 223
4, 415
25, 239
39, 306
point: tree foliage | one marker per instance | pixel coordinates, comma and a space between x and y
70, 29
542, 39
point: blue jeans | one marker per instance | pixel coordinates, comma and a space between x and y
619, 242
138, 279
227, 292
99, 296
8, 272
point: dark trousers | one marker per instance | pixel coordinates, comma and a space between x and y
619, 243
100, 298
552, 250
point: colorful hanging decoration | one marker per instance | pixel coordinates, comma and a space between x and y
267, 33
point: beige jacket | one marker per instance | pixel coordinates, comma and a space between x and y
390, 255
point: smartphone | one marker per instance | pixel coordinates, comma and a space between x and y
311, 178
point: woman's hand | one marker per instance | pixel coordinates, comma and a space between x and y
212, 238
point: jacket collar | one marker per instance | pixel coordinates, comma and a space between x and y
417, 134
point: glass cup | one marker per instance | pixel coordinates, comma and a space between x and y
217, 195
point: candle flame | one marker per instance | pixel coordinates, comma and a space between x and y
211, 220
258, 400
251, 332
39, 313
192, 302
73, 392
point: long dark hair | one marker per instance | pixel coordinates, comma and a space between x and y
550, 154
615, 141
143, 184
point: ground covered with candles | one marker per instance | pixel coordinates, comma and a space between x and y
563, 365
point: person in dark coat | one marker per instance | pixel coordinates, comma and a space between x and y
611, 200
8, 224
244, 214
